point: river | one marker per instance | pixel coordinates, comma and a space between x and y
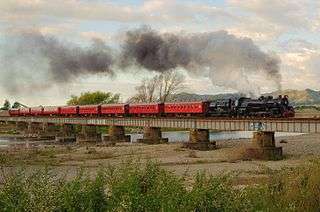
180, 136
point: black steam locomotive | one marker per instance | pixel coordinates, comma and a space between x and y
248, 107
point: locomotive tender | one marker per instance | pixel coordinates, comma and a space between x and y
242, 107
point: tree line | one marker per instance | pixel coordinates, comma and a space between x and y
7, 105
151, 89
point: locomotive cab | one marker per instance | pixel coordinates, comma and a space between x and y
287, 110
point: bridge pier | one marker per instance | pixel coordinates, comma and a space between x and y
48, 131
88, 134
6, 126
66, 134
152, 135
116, 134
22, 127
264, 147
199, 140
34, 129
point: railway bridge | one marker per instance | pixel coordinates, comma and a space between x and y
199, 128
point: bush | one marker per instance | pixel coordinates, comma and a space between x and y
148, 187
83, 194
42, 191
212, 194
151, 188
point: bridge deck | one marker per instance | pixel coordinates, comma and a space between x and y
300, 125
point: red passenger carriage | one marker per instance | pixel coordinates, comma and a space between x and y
69, 110
186, 108
25, 111
114, 109
14, 112
36, 111
89, 110
51, 111
146, 108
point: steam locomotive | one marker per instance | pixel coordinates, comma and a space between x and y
248, 107
242, 107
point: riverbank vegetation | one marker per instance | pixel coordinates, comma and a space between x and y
148, 187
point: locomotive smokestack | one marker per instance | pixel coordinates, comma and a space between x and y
228, 61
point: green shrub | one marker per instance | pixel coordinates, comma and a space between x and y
83, 194
36, 192
148, 187
212, 194
151, 188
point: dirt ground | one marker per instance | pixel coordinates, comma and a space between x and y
307, 113
297, 150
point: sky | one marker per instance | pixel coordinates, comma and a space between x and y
288, 29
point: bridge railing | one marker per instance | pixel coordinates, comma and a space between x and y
279, 125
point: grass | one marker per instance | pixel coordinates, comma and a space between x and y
136, 187
52, 156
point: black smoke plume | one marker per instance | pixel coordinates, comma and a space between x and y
228, 61
68, 60
32, 60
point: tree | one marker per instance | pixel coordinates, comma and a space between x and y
158, 88
16, 105
6, 105
90, 98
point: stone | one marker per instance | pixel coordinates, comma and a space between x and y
199, 135
152, 135
202, 146
199, 140
263, 147
66, 134
263, 139
88, 134
116, 134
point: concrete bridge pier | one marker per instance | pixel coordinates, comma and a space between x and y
152, 135
66, 134
34, 129
22, 127
48, 131
199, 140
264, 147
88, 134
116, 134
6, 126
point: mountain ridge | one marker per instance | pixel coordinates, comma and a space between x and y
296, 97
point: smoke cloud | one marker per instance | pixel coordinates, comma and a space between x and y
229, 61
32, 60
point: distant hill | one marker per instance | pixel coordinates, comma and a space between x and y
302, 97
296, 97
186, 97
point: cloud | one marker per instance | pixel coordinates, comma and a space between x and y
149, 11
286, 12
301, 62
269, 23
92, 35
257, 29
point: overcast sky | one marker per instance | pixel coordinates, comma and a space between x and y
286, 28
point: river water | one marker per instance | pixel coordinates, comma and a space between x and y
182, 136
